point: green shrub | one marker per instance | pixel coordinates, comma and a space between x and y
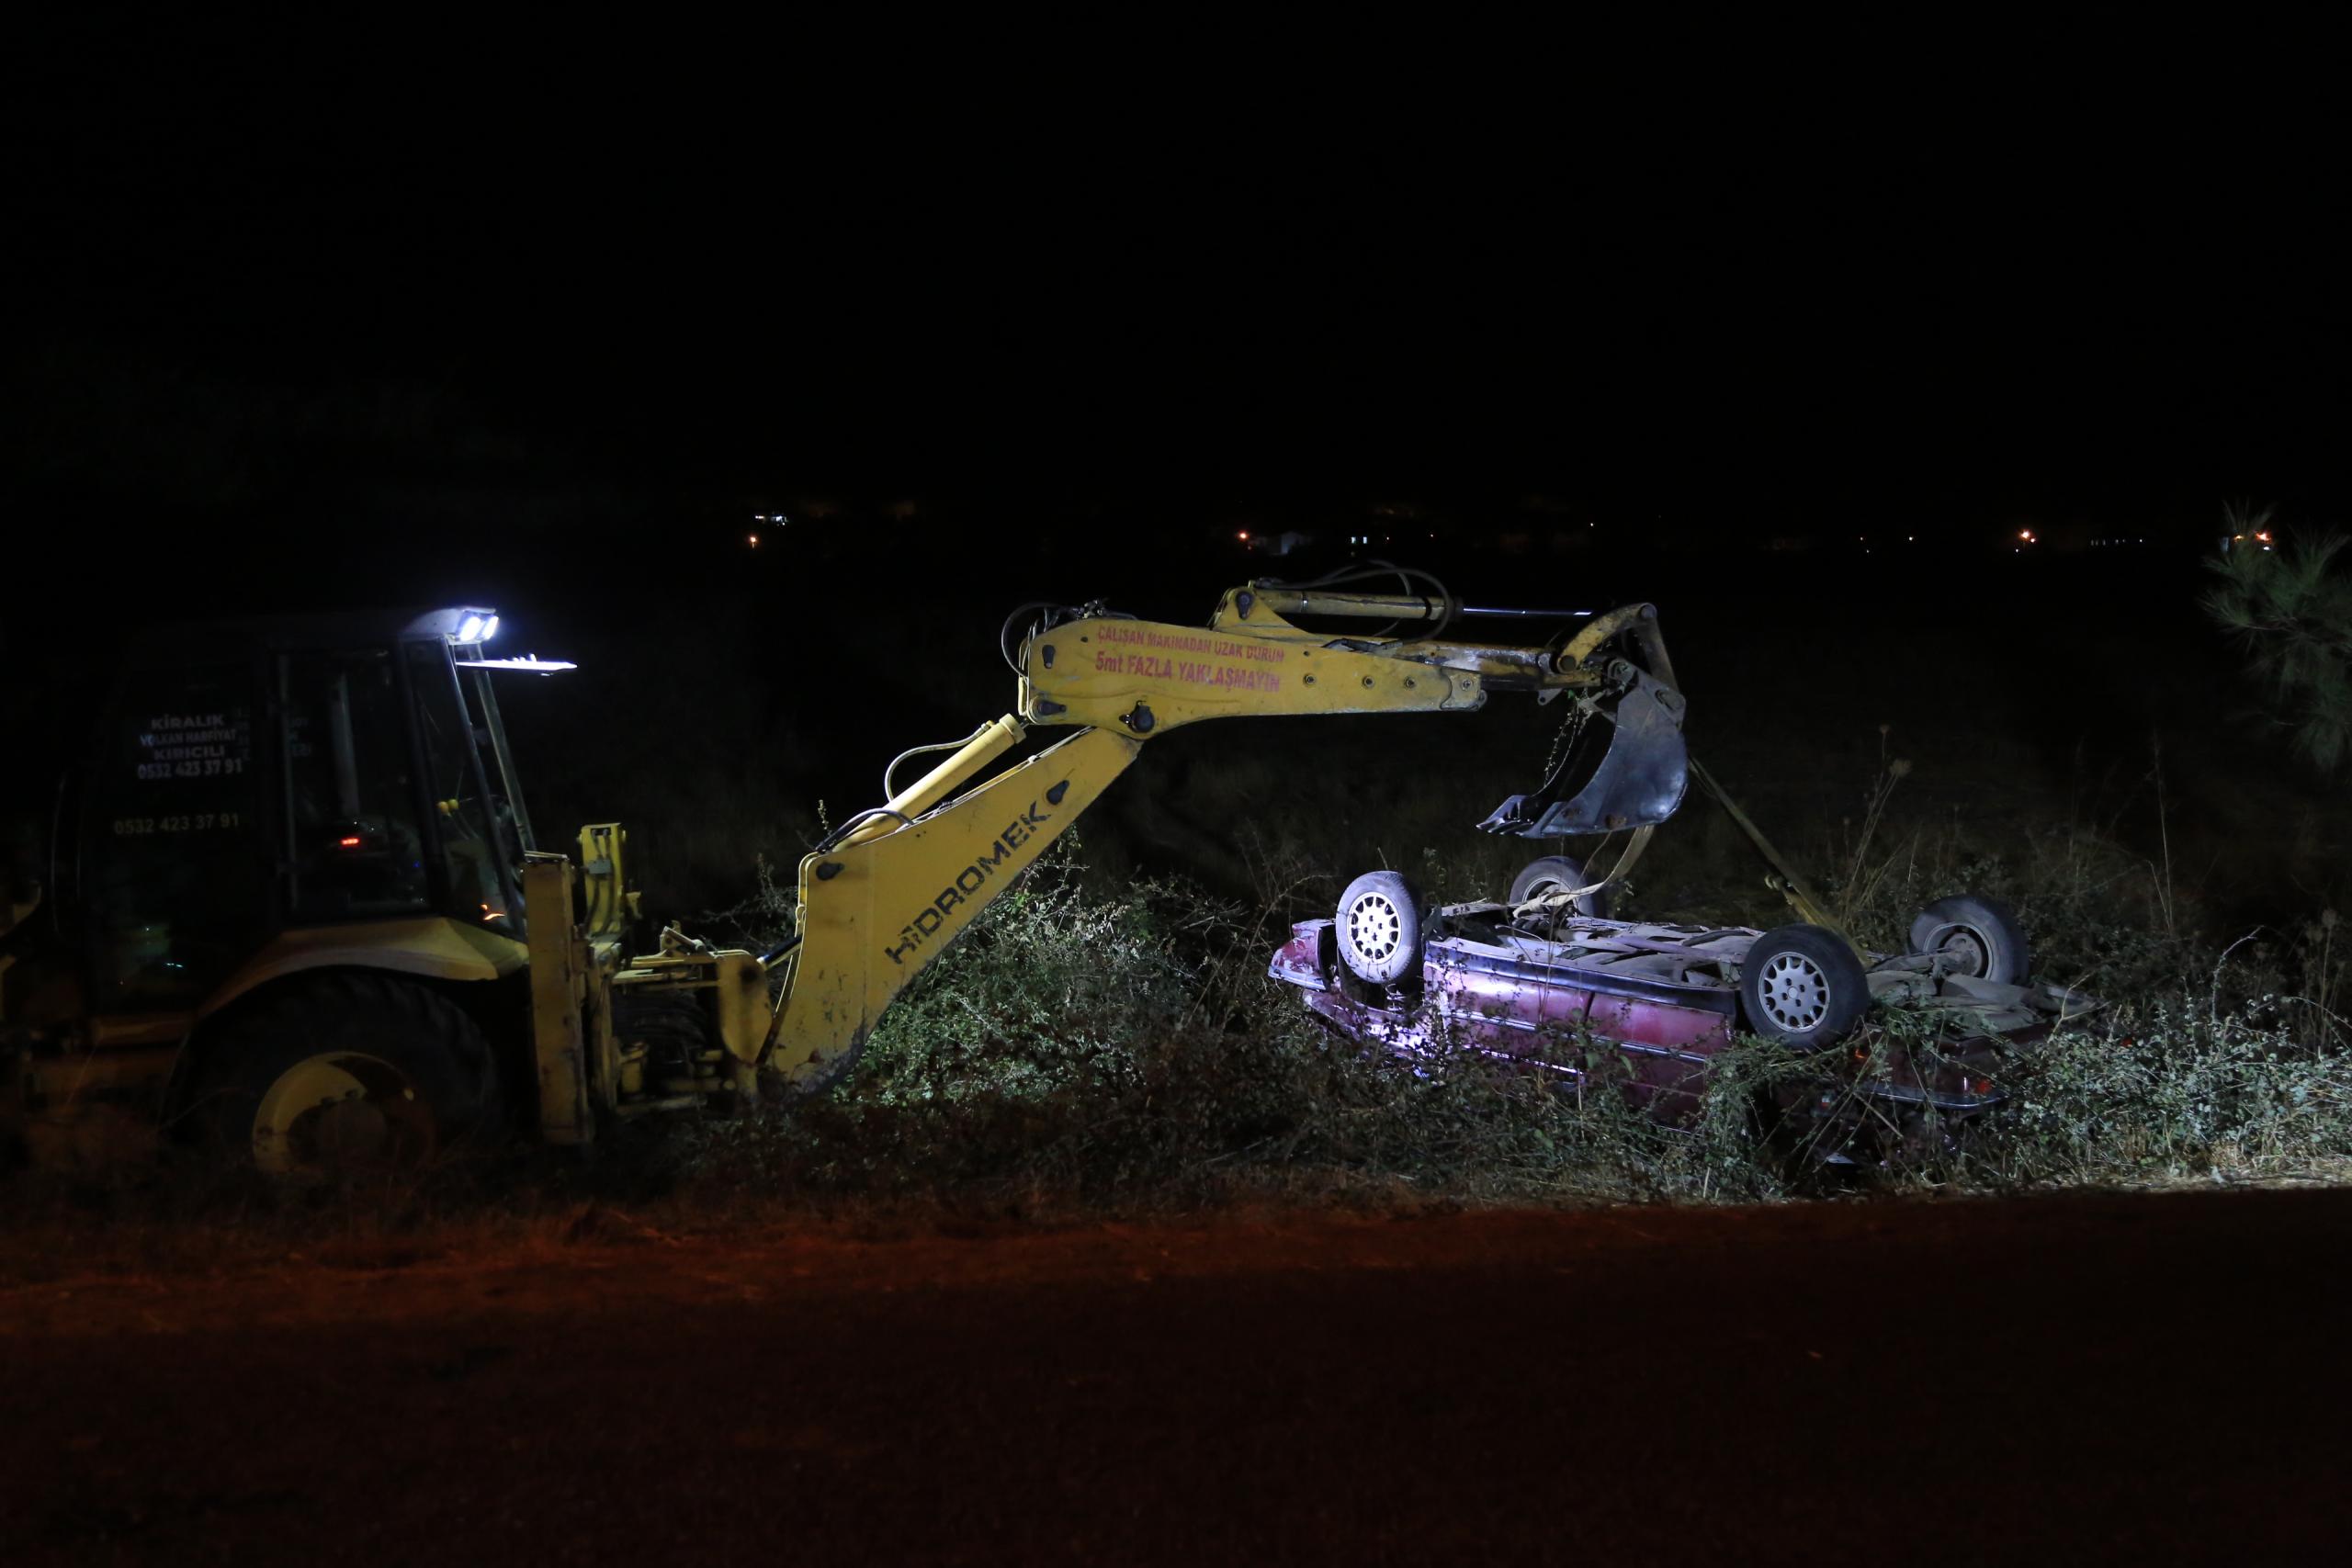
1089, 1046
1083, 1046
2173, 1090
2291, 608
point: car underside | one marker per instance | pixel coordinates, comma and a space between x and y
1526, 982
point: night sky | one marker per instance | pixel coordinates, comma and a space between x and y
344, 348
282, 319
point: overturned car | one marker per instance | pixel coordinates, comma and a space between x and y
1546, 978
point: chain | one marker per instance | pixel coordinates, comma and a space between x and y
1564, 739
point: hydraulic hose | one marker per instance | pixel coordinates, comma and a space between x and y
1372, 570
890, 791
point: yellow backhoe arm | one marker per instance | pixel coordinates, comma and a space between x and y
888, 891
888, 898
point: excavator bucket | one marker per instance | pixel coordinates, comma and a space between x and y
1637, 782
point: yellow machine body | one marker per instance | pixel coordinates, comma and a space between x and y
876, 910
93, 1101
879, 900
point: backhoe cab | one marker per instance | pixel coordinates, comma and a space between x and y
296, 910
278, 822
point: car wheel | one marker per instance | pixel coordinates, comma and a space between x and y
345, 1075
1979, 936
1801, 986
1557, 874
1379, 927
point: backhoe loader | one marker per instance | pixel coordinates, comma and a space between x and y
295, 911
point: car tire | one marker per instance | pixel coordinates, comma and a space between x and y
1555, 873
1801, 986
1379, 927
1981, 933
345, 1073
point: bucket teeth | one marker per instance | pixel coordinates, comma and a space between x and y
1639, 783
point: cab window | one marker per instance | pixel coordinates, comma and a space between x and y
355, 847
473, 855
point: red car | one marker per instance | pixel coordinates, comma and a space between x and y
1524, 978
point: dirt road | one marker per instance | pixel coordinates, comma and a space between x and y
2142, 1380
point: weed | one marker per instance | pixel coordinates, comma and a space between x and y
1089, 1047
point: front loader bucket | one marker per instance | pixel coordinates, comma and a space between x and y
1638, 784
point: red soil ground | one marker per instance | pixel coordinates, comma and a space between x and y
2085, 1379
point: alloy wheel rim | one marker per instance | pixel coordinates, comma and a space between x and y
1375, 927
1794, 992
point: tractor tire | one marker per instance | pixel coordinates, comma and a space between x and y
1379, 927
1556, 874
1981, 933
1801, 986
345, 1074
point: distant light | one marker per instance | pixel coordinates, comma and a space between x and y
2026, 533
349, 842
2263, 538
1243, 534
756, 540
